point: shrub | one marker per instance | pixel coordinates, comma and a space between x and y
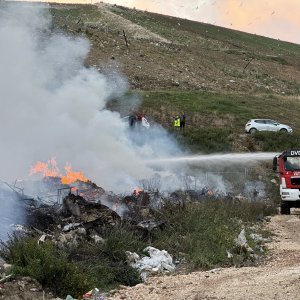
277, 141
120, 240
204, 231
47, 265
73, 271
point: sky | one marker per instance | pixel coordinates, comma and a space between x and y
279, 19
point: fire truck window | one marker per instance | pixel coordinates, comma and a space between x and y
288, 166
292, 163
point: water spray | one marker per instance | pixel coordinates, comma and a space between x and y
216, 158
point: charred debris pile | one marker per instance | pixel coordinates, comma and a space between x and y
105, 240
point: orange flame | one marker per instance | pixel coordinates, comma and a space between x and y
72, 176
50, 169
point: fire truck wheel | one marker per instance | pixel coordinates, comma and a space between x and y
285, 208
252, 130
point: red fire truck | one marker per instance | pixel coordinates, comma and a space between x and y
287, 164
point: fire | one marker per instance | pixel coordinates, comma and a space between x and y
137, 192
72, 176
50, 169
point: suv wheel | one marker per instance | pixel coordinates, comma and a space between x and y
285, 208
283, 130
252, 130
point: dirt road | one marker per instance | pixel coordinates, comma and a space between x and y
278, 278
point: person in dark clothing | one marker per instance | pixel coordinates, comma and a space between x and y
132, 121
182, 121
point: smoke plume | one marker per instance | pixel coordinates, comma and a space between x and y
53, 106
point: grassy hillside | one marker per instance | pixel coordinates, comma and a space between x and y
169, 53
219, 77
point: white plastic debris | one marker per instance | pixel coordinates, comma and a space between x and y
241, 242
158, 261
241, 239
42, 239
257, 237
71, 226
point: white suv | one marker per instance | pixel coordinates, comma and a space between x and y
266, 125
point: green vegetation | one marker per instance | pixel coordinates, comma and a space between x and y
216, 122
276, 141
185, 31
200, 232
77, 13
205, 231
207, 140
73, 270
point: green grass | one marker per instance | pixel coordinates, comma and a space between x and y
276, 141
187, 31
207, 140
204, 232
74, 270
74, 13
201, 232
240, 107
47, 265
215, 121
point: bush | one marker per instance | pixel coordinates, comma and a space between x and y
77, 270
120, 240
47, 265
202, 232
205, 231
277, 141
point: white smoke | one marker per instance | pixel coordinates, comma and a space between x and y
53, 106
11, 212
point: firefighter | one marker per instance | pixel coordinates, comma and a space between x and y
177, 122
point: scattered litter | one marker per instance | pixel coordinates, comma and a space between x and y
160, 261
93, 294
71, 226
6, 278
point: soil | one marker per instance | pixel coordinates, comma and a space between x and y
277, 278
163, 53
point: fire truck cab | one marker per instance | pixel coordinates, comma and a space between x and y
287, 165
